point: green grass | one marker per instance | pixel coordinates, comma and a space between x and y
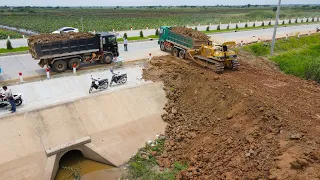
4, 50
106, 19
296, 56
146, 168
13, 34
137, 38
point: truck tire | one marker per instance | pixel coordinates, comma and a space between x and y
107, 58
182, 54
162, 47
60, 66
75, 61
175, 52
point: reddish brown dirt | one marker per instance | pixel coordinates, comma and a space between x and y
197, 35
49, 38
255, 123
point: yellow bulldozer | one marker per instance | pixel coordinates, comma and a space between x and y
202, 52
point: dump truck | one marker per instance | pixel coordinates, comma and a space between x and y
62, 54
201, 51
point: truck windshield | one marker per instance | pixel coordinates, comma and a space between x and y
112, 39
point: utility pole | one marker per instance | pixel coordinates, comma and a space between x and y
82, 23
275, 29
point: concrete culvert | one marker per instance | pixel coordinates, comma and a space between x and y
73, 165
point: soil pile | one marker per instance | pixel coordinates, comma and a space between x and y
255, 123
50, 38
197, 35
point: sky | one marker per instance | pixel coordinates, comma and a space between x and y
145, 2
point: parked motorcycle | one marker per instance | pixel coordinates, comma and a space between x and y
5, 103
118, 78
98, 84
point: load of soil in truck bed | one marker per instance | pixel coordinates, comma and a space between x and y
50, 38
255, 123
196, 35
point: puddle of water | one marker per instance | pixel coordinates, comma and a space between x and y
73, 165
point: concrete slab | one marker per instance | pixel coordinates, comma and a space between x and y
118, 123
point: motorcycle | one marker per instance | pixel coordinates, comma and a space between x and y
98, 84
118, 78
5, 103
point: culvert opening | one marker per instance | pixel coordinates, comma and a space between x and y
73, 165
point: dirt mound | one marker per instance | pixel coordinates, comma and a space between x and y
250, 124
197, 35
50, 38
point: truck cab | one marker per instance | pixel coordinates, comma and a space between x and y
163, 34
108, 43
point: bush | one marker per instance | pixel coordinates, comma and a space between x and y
141, 34
262, 23
228, 27
296, 21
258, 49
312, 70
312, 19
307, 20
254, 25
289, 21
196, 28
246, 25
237, 26
157, 32
269, 24
218, 27
208, 28
9, 46
282, 22
125, 36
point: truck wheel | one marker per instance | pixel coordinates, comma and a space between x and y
175, 52
74, 61
60, 66
181, 54
107, 58
162, 47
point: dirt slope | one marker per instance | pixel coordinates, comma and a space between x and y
255, 123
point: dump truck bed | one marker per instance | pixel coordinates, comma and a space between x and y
184, 41
44, 50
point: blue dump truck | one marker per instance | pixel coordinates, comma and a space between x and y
202, 52
65, 51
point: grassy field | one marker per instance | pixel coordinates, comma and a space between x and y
13, 34
19, 49
297, 56
105, 19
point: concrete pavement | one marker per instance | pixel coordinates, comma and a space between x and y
115, 125
47, 92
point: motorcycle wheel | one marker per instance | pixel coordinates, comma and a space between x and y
90, 90
18, 102
123, 80
105, 86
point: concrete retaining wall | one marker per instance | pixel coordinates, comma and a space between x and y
117, 123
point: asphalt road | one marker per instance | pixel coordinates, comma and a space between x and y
24, 63
148, 32
12, 65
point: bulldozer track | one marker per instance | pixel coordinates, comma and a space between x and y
235, 65
216, 66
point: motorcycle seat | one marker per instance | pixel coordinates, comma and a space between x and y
103, 80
